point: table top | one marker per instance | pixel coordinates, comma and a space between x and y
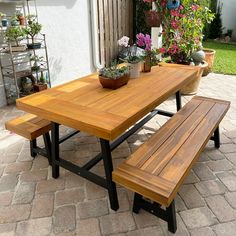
84, 105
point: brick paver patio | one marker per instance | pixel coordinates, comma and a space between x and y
32, 203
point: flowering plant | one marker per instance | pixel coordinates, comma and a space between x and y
145, 42
132, 52
182, 28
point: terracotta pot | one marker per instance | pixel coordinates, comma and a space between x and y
113, 83
153, 18
192, 87
147, 65
209, 58
21, 20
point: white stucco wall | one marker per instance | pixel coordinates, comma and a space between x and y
229, 15
66, 24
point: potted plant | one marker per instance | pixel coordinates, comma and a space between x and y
14, 21
132, 57
114, 77
36, 62
32, 29
183, 31
20, 18
3, 19
42, 84
14, 34
150, 55
209, 58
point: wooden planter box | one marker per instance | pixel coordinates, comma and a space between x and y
40, 87
113, 83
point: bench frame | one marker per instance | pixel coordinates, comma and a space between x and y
169, 214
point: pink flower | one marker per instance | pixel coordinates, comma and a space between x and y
194, 7
162, 50
174, 24
144, 41
148, 1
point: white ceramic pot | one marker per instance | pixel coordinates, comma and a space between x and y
135, 70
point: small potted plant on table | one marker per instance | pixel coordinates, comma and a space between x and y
32, 29
42, 84
14, 34
114, 77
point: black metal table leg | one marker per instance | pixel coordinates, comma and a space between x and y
111, 186
47, 143
171, 215
217, 137
55, 150
137, 203
33, 145
178, 100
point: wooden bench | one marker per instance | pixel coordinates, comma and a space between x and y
158, 168
31, 127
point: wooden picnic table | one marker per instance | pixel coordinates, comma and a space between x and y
84, 105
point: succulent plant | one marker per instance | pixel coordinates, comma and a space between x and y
114, 72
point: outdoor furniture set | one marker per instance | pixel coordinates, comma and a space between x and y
156, 170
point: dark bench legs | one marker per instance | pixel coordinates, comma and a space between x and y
217, 138
178, 100
34, 149
168, 215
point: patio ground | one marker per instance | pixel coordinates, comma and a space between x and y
32, 203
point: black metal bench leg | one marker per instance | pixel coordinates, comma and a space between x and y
33, 145
47, 143
55, 150
137, 203
217, 138
178, 100
111, 186
171, 215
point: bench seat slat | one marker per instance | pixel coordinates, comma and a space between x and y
158, 174
29, 126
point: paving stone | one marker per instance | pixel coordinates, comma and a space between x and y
181, 228
191, 178
69, 196
124, 204
229, 180
8, 182
64, 219
231, 157
94, 191
14, 213
191, 196
179, 204
18, 167
15, 148
6, 198
50, 185
88, 227
8, 158
221, 165
42, 206
152, 231
122, 151
1, 170
231, 198
207, 231
203, 172
231, 134
40, 163
92, 208
221, 208
117, 223
215, 155
24, 193
74, 181
210, 187
33, 176
203, 157
36, 227
7, 229
228, 148
145, 219
198, 217
225, 229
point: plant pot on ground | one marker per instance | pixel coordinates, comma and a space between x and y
36, 62
209, 58
114, 77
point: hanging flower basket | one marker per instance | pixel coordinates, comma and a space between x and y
153, 18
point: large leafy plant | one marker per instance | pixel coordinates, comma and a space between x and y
15, 34
183, 28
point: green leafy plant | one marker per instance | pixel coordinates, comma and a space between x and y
36, 59
33, 28
114, 72
15, 34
